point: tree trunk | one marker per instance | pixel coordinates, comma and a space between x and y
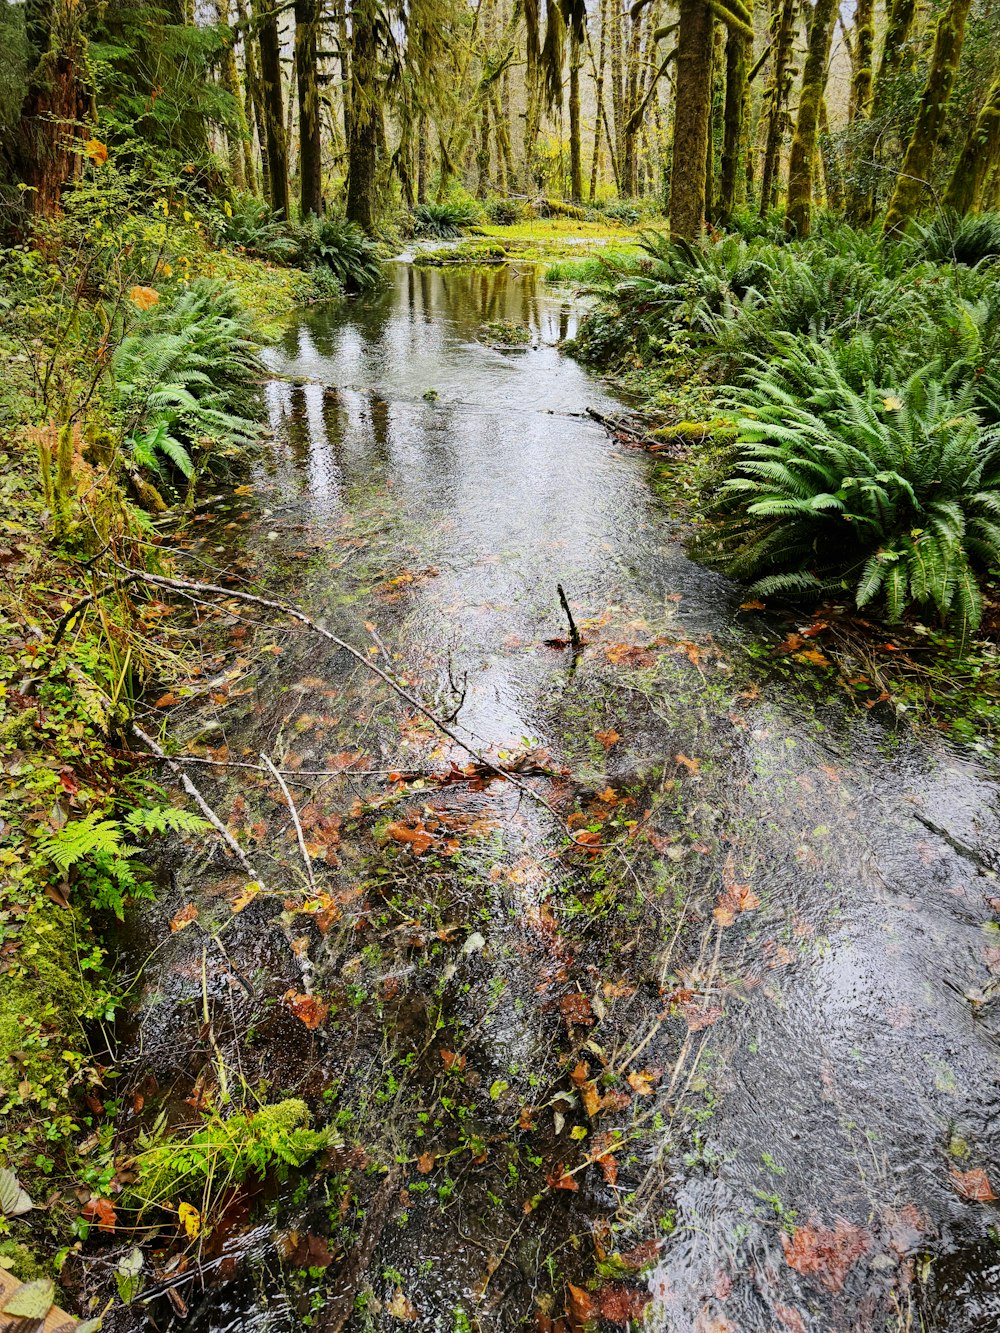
783, 30
255, 97
912, 184
273, 105
859, 144
691, 115
55, 105
366, 117
614, 16
832, 171
732, 171
423, 129
344, 42
575, 144
897, 34
798, 211
310, 136
980, 153
599, 100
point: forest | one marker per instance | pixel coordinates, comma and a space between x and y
500, 619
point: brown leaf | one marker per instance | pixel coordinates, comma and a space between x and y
692, 765
425, 1163
102, 1212
752, 605
607, 738
452, 1061
402, 1308
620, 1304
417, 837
166, 700
183, 918
580, 1306
825, 1253
973, 1185
790, 1318
643, 1081
144, 297
308, 1009
591, 1099
559, 1180
576, 1008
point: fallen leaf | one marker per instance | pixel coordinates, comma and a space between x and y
245, 898
643, 1081
580, 1306
102, 1212
752, 605
417, 837
790, 1318
607, 738
973, 1185
620, 1304
33, 1300
14, 1201
183, 918
402, 1308
166, 700
308, 1009
692, 765
452, 1061
825, 1253
591, 1098
189, 1219
425, 1163
576, 1008
559, 1180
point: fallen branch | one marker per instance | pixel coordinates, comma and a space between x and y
200, 801
574, 633
306, 860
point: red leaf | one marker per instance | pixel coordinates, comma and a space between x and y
576, 1008
306, 1008
619, 1304
101, 1211
826, 1253
559, 1180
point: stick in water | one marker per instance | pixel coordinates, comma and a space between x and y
574, 633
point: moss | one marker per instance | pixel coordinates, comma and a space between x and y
19, 1260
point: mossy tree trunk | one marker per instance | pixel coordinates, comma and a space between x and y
980, 154
310, 136
691, 115
56, 103
912, 184
255, 97
798, 211
732, 170
265, 12
783, 33
575, 128
366, 117
598, 100
859, 109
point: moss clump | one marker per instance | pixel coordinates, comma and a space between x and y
275, 1138
18, 1260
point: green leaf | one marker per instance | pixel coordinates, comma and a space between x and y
14, 1202
32, 1301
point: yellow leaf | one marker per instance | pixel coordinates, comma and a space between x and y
144, 297
190, 1219
96, 151
892, 404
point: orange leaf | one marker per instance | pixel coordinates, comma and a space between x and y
692, 765
452, 1061
96, 151
973, 1185
607, 738
559, 1180
418, 838
576, 1008
425, 1163
144, 297
101, 1211
184, 918
306, 1008
643, 1081
591, 1099
580, 1306
619, 1304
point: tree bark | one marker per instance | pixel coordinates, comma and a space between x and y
595, 160
310, 135
273, 105
912, 183
423, 129
691, 115
732, 172
798, 212
56, 103
575, 144
777, 93
255, 97
366, 117
980, 153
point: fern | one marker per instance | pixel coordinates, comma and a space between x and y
165, 819
80, 838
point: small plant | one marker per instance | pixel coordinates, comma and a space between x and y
447, 219
250, 225
956, 238
343, 249
892, 493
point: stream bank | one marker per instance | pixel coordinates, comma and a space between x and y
724, 1059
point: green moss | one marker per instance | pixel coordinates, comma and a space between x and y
19, 1260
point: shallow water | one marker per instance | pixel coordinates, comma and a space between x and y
822, 1062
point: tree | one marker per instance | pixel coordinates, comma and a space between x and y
732, 175
798, 213
980, 154
269, 42
914, 177
307, 78
366, 116
691, 112
782, 36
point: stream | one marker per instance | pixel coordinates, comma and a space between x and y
727, 1062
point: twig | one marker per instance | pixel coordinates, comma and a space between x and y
200, 801
307, 862
574, 633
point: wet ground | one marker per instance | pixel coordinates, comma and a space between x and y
695, 1022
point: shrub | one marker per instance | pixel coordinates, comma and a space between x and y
343, 248
446, 219
894, 494
957, 238
506, 212
251, 226
185, 374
